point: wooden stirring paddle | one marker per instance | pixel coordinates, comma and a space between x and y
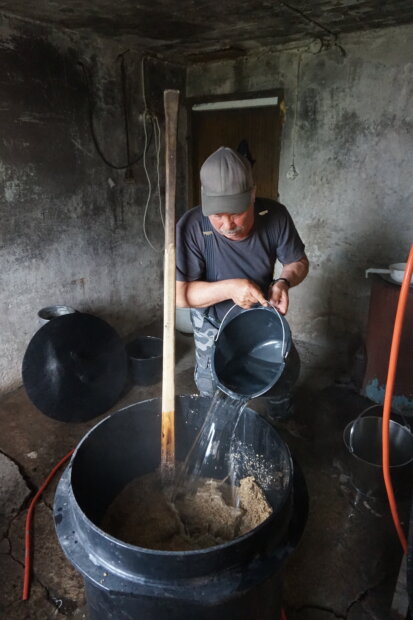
171, 101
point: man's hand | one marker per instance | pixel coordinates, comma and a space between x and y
278, 296
200, 294
245, 293
294, 273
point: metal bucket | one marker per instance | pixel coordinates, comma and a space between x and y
250, 351
363, 440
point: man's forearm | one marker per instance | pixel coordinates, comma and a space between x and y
201, 294
295, 272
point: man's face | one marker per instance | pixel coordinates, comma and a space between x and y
234, 226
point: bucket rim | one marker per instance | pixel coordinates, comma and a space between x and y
359, 458
258, 307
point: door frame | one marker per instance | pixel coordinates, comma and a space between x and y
236, 95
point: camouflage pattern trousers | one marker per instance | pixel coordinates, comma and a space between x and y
204, 336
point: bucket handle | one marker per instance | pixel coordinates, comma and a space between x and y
223, 321
350, 438
269, 306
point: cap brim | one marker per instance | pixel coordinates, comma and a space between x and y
235, 203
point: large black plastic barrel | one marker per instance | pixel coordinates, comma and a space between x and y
238, 580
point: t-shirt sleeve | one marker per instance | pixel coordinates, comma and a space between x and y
290, 247
190, 263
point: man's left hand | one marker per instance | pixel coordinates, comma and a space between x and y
278, 296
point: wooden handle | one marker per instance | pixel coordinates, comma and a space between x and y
171, 101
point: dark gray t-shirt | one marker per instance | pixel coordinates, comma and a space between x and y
273, 237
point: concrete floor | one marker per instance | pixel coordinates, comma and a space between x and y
345, 566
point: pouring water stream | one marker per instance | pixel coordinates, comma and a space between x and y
241, 378
215, 435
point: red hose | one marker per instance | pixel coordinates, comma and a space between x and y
394, 353
27, 551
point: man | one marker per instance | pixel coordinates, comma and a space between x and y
226, 252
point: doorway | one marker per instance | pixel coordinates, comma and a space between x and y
252, 125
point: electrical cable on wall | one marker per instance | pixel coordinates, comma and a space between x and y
292, 171
158, 154
157, 133
328, 40
321, 44
93, 133
149, 194
129, 172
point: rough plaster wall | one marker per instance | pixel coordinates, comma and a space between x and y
352, 199
71, 228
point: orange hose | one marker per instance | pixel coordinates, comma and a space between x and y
394, 353
27, 553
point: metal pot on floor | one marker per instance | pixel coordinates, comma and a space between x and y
363, 440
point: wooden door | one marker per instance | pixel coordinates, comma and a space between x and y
260, 127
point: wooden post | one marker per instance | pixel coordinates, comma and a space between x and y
171, 101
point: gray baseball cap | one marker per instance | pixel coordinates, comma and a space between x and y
226, 183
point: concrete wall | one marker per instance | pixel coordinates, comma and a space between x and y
71, 227
349, 121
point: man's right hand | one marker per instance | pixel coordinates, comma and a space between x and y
245, 293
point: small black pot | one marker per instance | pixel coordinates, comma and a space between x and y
145, 360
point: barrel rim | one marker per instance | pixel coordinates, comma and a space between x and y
188, 553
